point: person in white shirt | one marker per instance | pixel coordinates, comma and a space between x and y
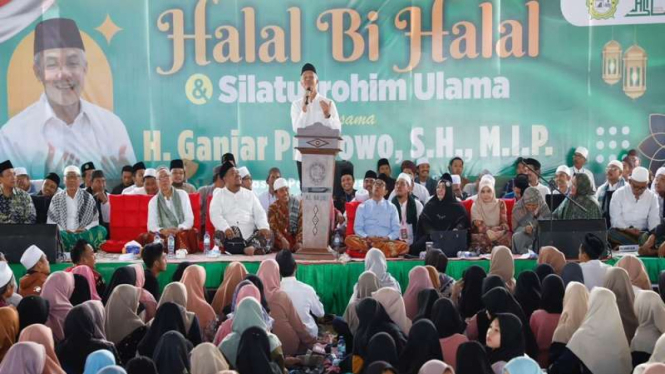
655, 243
579, 160
416, 189
170, 213
424, 178
312, 108
268, 197
237, 213
634, 211
138, 175
591, 249
562, 178
23, 181
246, 177
150, 186
408, 207
64, 128
532, 170
304, 298
75, 212
614, 174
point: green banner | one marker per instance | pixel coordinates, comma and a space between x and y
486, 80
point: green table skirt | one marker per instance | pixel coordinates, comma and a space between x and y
334, 282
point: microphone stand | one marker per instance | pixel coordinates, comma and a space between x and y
553, 188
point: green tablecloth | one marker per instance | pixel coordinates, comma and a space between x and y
334, 282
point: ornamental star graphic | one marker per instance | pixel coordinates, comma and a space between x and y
653, 146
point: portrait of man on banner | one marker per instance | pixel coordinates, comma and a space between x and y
62, 128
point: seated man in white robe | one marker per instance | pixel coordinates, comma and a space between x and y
237, 213
75, 212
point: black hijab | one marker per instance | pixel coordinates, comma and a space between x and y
379, 367
527, 292
491, 282
179, 271
168, 318
472, 359
172, 354
79, 340
552, 295
435, 257
443, 215
572, 272
447, 319
381, 348
259, 284
544, 270
254, 353
422, 346
122, 275
32, 310
426, 300
81, 292
470, 301
141, 365
512, 339
372, 319
661, 285
498, 301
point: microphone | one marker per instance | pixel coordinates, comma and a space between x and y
309, 90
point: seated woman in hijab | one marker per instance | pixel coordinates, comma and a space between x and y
544, 321
450, 327
441, 213
575, 307
176, 293
526, 213
79, 341
651, 314
168, 318
255, 353
489, 218
244, 290
124, 327
421, 347
172, 354
437, 259
599, 345
582, 193
505, 341
367, 284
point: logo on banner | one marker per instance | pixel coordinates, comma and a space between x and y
602, 9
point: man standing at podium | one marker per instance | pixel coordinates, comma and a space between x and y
312, 108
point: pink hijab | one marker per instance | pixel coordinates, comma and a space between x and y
87, 273
418, 280
41, 334
24, 358
57, 290
226, 328
194, 279
146, 299
269, 275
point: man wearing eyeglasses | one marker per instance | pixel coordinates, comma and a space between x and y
634, 211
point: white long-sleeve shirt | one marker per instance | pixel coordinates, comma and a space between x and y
314, 114
96, 133
626, 211
306, 302
153, 214
594, 273
241, 209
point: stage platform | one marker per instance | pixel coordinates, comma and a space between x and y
332, 280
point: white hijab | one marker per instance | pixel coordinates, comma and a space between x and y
651, 314
375, 261
600, 342
575, 307
658, 356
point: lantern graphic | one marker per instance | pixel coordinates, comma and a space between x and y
612, 62
634, 71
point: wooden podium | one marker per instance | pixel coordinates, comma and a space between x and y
318, 145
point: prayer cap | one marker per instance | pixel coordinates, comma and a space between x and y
406, 177
307, 67
347, 169
244, 172
87, 166
20, 171
5, 274
53, 177
31, 257
532, 162
150, 173
229, 157
422, 161
138, 166
563, 169
582, 151
370, 174
225, 168
280, 183
362, 196
660, 171
177, 164
616, 163
6, 165
72, 169
640, 175
57, 33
